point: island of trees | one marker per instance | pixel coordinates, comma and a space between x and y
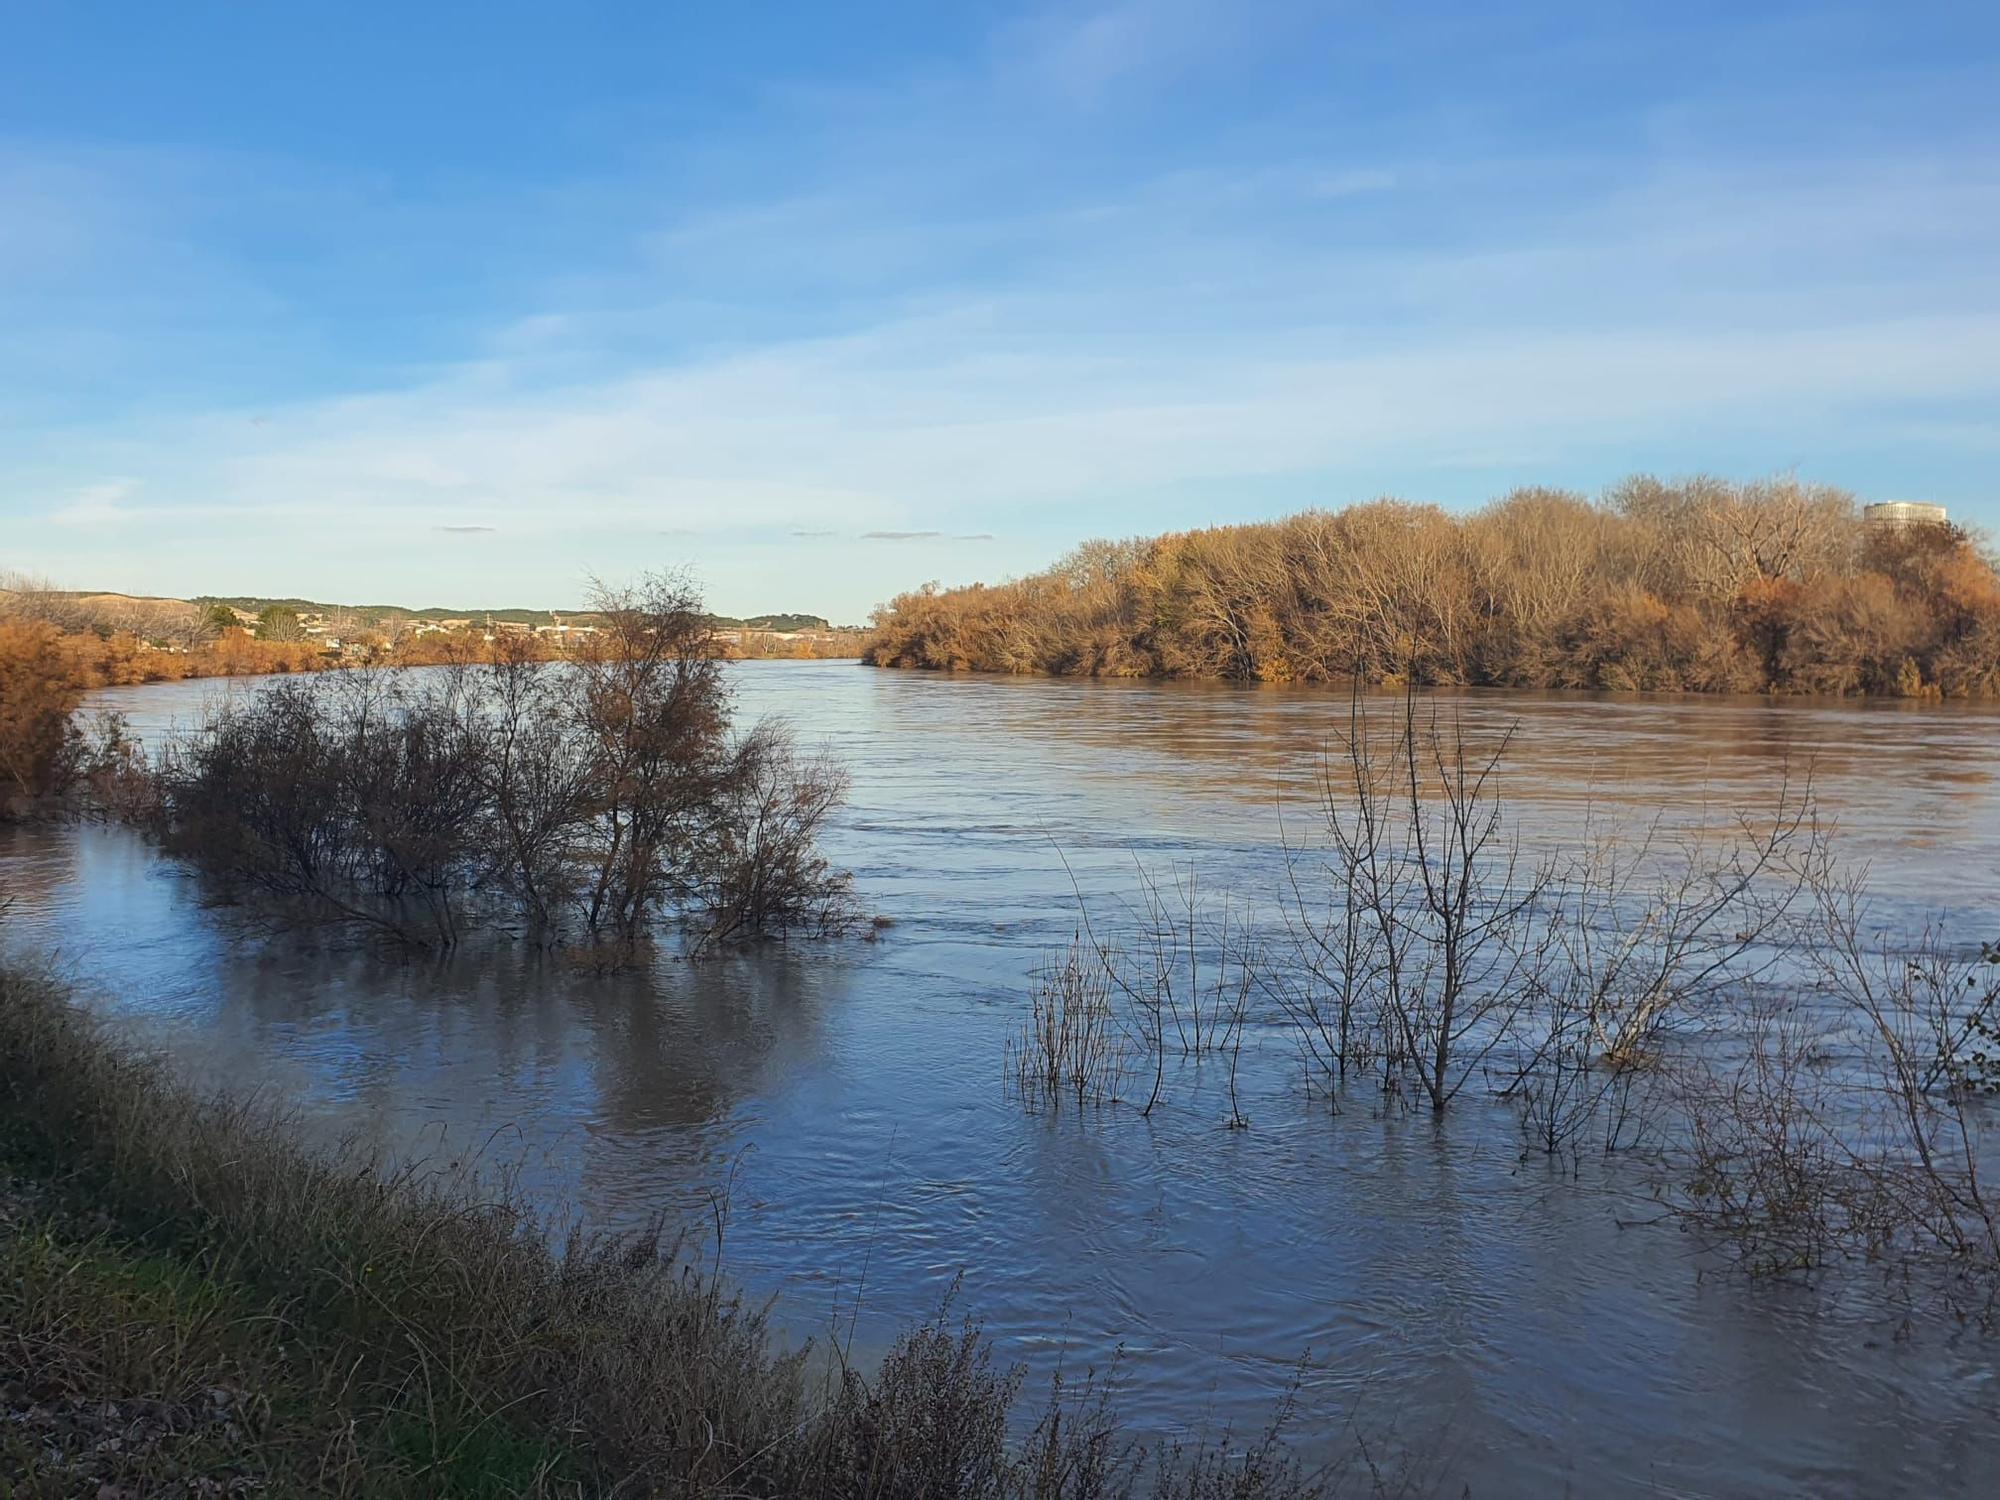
1700, 585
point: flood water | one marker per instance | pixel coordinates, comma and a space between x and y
851, 1098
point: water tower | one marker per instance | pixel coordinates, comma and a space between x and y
1901, 514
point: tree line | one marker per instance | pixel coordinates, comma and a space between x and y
109, 640
1701, 585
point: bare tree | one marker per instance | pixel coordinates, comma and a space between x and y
539, 781
653, 709
1444, 898
1328, 985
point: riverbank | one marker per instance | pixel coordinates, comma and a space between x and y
191, 1301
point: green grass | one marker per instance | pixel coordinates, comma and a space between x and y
393, 1334
145, 1371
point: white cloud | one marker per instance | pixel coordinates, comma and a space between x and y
936, 320
97, 505
915, 423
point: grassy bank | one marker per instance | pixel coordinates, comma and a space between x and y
192, 1302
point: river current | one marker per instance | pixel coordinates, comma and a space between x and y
1432, 1285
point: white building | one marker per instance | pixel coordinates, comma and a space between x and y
1902, 513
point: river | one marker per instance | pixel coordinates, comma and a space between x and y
1432, 1285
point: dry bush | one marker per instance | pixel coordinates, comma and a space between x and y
1183, 967
1645, 928
1071, 1046
763, 872
933, 1421
1849, 1129
1761, 1166
1926, 1012
1804, 1088
1421, 946
347, 797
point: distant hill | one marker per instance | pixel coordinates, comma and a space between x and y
776, 622
369, 614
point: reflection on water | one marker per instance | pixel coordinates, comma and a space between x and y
851, 1096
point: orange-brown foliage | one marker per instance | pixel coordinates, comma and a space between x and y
1699, 586
123, 660
38, 693
763, 645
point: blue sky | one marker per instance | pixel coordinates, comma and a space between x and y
459, 304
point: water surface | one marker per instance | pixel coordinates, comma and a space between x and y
850, 1097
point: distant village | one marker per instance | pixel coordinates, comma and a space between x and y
359, 634
335, 629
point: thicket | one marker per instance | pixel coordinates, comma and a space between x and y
1701, 586
38, 698
103, 640
603, 794
49, 756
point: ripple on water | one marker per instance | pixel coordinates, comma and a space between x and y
852, 1099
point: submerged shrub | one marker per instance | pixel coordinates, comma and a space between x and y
604, 793
763, 869
1072, 1045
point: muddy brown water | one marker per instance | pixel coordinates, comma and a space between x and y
1428, 1285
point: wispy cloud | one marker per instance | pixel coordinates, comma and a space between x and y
921, 536
925, 418
1083, 55
468, 530
97, 505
